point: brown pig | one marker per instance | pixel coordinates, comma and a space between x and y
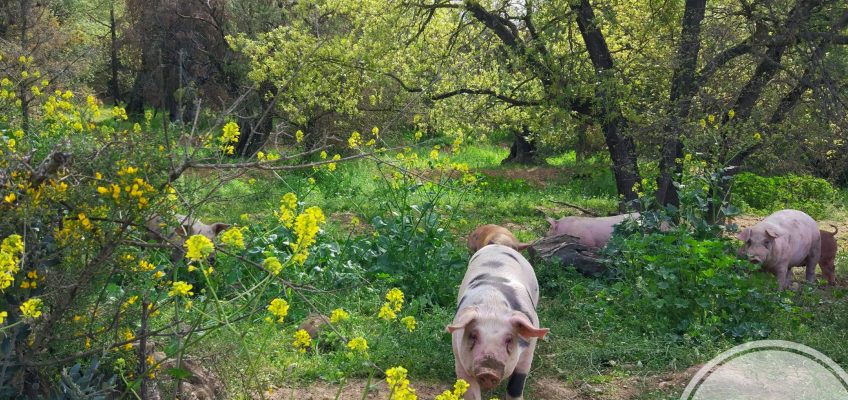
827, 262
493, 234
495, 329
781, 241
592, 231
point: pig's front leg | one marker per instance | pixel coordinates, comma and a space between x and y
782, 272
473, 392
515, 386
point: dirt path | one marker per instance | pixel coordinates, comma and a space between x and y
540, 388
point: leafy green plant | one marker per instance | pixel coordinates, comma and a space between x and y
674, 283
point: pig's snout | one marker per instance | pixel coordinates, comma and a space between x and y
488, 380
755, 260
489, 373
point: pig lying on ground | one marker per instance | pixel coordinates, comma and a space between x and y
827, 262
592, 231
187, 227
495, 328
781, 241
493, 234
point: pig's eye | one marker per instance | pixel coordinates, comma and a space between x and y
749, 242
508, 341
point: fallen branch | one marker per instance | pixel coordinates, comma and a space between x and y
585, 211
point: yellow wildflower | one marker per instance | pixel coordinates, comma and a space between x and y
10, 198
358, 344
128, 336
279, 308
398, 384
32, 308
731, 114
288, 205
387, 313
339, 315
230, 133
3, 315
180, 288
302, 340
272, 265
409, 322
354, 140
459, 389
199, 247
298, 136
395, 298
233, 237
757, 136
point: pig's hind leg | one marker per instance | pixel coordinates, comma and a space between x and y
813, 259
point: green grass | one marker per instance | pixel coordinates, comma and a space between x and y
576, 351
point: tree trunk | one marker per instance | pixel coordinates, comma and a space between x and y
113, 82
256, 128
622, 148
683, 88
523, 150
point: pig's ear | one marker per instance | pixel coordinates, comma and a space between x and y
219, 227
745, 234
462, 318
525, 329
773, 232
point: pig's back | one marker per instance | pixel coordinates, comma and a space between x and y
497, 260
803, 232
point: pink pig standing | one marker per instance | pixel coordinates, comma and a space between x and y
495, 328
781, 241
592, 231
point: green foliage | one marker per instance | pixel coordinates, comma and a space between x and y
812, 195
675, 284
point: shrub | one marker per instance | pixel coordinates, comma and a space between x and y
768, 194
